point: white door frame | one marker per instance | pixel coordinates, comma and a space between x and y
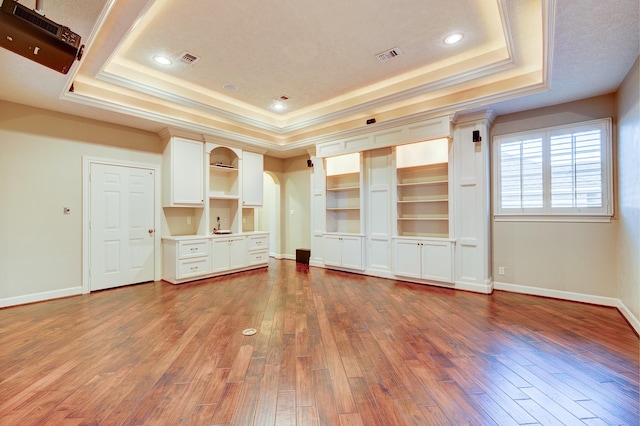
86, 202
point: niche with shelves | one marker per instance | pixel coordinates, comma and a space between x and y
423, 189
223, 173
343, 194
224, 190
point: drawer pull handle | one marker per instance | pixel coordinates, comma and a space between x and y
194, 268
194, 249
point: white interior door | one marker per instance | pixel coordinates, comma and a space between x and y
122, 240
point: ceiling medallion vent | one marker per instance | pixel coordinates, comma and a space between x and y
188, 58
389, 54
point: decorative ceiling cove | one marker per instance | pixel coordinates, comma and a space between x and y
321, 56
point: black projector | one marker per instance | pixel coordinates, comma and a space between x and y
29, 34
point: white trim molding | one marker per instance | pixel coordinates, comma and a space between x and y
573, 297
40, 297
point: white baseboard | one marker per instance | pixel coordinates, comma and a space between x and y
485, 288
380, 273
557, 294
635, 322
575, 297
40, 297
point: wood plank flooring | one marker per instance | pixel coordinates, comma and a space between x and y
331, 349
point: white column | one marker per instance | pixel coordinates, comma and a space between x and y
318, 213
471, 192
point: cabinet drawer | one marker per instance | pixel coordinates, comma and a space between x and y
195, 248
258, 257
193, 267
258, 241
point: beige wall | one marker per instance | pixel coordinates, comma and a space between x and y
296, 204
629, 192
557, 257
294, 180
40, 172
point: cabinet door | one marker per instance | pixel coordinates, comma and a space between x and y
351, 252
437, 261
186, 170
407, 258
252, 186
332, 250
220, 255
237, 252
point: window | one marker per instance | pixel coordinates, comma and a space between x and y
559, 173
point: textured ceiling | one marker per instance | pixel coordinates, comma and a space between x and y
516, 55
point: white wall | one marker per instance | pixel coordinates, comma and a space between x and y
40, 172
572, 260
629, 194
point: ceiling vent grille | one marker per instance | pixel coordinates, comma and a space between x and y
389, 54
188, 58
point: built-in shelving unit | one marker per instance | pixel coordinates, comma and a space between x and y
423, 201
423, 189
343, 194
209, 211
223, 189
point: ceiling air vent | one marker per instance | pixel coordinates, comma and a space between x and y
389, 54
188, 58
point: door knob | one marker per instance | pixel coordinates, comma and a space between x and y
150, 231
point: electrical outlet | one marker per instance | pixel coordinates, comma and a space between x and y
501, 270
188, 220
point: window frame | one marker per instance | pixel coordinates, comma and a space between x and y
546, 212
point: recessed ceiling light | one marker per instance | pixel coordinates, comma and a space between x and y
453, 38
162, 60
278, 106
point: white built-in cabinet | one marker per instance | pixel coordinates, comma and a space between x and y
422, 248
229, 253
183, 173
252, 170
258, 248
390, 212
343, 239
424, 259
343, 251
210, 180
185, 259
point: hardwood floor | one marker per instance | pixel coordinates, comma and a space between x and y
331, 349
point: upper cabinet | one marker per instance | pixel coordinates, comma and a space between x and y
252, 184
423, 189
183, 173
344, 183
